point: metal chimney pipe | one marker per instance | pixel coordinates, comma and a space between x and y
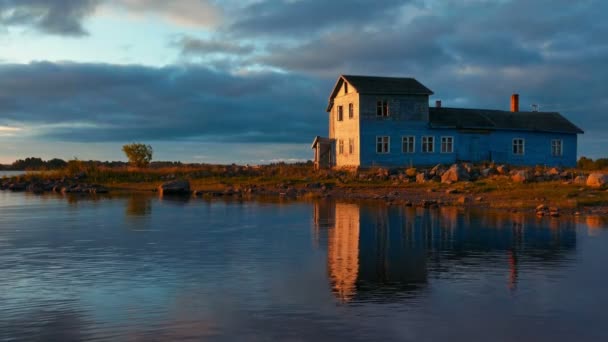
515, 103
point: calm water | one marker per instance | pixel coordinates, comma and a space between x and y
11, 173
139, 268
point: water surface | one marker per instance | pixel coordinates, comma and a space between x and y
140, 268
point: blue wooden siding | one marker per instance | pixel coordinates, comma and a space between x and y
468, 146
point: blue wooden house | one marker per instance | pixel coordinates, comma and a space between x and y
387, 121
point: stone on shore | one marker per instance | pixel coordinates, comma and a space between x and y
597, 180
176, 187
520, 176
455, 173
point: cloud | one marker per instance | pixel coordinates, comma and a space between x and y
60, 17
192, 13
190, 46
286, 17
127, 103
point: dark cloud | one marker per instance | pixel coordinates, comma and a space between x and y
190, 46
97, 102
61, 17
285, 17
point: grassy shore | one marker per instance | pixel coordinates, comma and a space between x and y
497, 191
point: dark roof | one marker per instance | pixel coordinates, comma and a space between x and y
381, 85
387, 85
501, 120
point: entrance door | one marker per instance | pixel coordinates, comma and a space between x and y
474, 149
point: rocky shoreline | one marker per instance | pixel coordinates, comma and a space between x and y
431, 187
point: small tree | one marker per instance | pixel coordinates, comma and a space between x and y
139, 155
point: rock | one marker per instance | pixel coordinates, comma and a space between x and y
520, 176
176, 187
463, 200
451, 191
455, 173
36, 188
421, 177
581, 180
313, 186
553, 171
17, 187
479, 199
490, 171
554, 212
597, 180
437, 170
541, 207
502, 169
411, 172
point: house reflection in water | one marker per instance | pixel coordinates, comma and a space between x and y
375, 251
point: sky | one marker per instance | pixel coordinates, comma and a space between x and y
222, 81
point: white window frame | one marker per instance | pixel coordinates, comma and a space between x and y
351, 110
523, 147
340, 113
555, 143
444, 143
411, 145
425, 144
351, 146
380, 139
341, 146
382, 109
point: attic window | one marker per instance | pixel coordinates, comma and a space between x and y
345, 88
340, 113
382, 108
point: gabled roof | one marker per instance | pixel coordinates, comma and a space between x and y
381, 86
501, 120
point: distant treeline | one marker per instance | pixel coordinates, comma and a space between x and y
585, 163
37, 164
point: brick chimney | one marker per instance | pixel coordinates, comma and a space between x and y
438, 103
515, 103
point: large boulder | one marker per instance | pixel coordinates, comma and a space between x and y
520, 176
455, 173
176, 187
437, 170
502, 169
581, 180
597, 180
421, 178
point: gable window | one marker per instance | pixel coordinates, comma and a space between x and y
351, 146
345, 88
351, 111
382, 108
382, 144
447, 144
557, 147
340, 113
519, 146
428, 144
340, 146
407, 144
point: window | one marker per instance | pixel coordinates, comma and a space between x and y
351, 111
447, 144
407, 144
351, 146
557, 147
382, 144
428, 144
340, 113
345, 88
340, 146
519, 146
382, 109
